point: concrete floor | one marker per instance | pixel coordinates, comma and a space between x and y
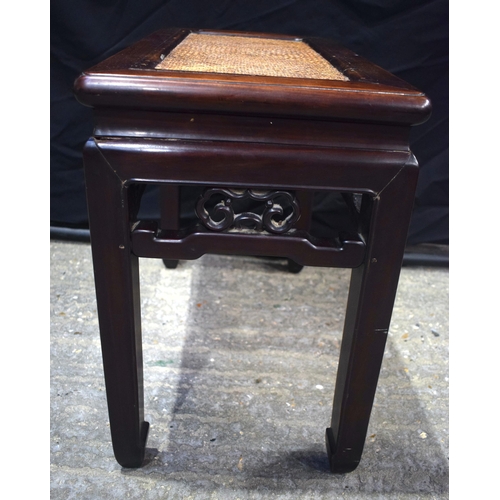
240, 361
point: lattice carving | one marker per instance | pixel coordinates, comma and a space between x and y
279, 210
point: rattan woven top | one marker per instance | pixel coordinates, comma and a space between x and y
246, 55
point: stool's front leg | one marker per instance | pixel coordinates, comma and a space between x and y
116, 277
368, 315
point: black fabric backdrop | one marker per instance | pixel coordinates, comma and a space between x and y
409, 38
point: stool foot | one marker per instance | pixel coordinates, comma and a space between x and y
170, 264
338, 465
293, 267
130, 455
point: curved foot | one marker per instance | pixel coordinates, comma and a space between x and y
170, 264
293, 267
338, 465
132, 456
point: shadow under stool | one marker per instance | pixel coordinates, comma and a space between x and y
260, 124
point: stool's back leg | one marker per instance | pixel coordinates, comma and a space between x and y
169, 206
170, 213
116, 274
306, 200
369, 309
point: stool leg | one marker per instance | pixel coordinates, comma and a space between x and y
170, 214
116, 274
306, 200
369, 308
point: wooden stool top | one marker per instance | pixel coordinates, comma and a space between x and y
250, 74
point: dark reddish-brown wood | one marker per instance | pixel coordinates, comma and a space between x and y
294, 136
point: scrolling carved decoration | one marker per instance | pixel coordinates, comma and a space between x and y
278, 211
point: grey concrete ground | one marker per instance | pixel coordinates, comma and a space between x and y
240, 361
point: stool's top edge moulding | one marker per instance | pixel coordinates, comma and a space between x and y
252, 74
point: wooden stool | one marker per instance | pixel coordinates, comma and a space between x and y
255, 120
